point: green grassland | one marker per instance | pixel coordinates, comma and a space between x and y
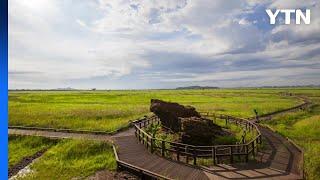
111, 110
303, 127
23, 146
65, 159
73, 159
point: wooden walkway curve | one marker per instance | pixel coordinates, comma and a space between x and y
275, 162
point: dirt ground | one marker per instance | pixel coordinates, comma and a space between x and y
109, 175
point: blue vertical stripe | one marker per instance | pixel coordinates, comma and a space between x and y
4, 89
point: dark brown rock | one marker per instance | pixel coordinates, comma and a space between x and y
199, 131
169, 113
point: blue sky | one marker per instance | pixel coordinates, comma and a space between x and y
128, 44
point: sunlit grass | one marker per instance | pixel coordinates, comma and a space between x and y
73, 159
23, 146
111, 110
303, 127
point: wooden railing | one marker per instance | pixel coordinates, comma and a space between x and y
186, 152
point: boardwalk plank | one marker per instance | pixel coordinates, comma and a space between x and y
279, 160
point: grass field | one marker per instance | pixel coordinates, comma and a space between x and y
23, 146
65, 160
73, 159
111, 110
304, 128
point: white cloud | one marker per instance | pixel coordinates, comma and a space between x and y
243, 21
37, 45
81, 23
289, 4
112, 39
221, 76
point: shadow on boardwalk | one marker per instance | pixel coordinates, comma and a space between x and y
278, 160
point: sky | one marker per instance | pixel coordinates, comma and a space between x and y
129, 44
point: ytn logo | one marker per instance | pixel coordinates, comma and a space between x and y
287, 12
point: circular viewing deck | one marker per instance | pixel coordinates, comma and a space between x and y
191, 154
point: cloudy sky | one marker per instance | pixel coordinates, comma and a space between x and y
119, 44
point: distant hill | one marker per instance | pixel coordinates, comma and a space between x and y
65, 89
56, 89
297, 86
198, 87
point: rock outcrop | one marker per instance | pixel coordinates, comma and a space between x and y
169, 113
199, 131
194, 129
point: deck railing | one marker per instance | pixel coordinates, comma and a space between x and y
186, 152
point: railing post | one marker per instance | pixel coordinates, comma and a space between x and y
214, 155
135, 131
187, 156
231, 154
147, 142
247, 154
194, 157
139, 136
252, 144
142, 138
243, 139
163, 148
151, 146
178, 154
260, 139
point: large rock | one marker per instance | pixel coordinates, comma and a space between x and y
199, 131
169, 113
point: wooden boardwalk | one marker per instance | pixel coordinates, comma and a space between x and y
135, 154
277, 161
